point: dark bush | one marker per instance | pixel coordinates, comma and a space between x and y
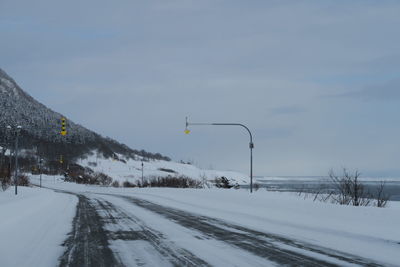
128, 184
222, 182
171, 181
101, 179
23, 180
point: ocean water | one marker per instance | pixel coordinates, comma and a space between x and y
323, 184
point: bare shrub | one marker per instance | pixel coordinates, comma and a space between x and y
222, 182
115, 184
101, 179
204, 181
170, 181
173, 181
381, 197
128, 184
350, 191
23, 180
5, 183
5, 178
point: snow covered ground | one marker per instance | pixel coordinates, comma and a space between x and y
33, 225
165, 227
131, 170
364, 232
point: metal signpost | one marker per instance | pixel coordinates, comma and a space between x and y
251, 145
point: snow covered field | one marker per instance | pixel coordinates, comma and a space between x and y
131, 170
181, 225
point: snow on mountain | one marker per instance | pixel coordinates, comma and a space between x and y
19, 108
41, 128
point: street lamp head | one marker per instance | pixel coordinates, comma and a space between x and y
8, 127
187, 131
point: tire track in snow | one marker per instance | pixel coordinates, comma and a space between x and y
87, 244
275, 248
131, 228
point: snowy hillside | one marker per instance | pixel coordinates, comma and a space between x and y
19, 108
40, 137
41, 128
127, 169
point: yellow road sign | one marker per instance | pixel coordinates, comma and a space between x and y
187, 131
63, 126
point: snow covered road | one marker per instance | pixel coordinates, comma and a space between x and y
121, 230
78, 225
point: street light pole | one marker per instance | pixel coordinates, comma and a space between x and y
142, 175
17, 131
40, 170
8, 131
251, 144
16, 158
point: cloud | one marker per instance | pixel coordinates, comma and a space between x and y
388, 91
134, 69
287, 110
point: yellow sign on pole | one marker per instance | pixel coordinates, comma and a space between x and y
187, 131
63, 126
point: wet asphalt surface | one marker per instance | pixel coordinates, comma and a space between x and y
88, 243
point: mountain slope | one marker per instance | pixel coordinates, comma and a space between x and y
42, 126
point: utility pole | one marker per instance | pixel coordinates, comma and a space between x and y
63, 133
251, 144
17, 131
142, 175
9, 144
40, 170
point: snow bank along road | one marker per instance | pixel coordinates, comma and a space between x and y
126, 230
77, 225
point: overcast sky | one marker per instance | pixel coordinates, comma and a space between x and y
318, 82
